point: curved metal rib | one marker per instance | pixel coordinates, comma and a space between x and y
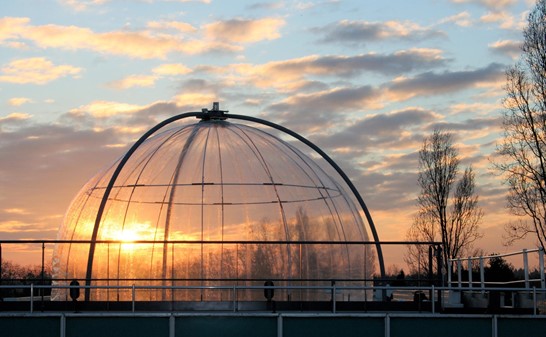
205, 116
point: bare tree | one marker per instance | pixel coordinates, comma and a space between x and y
452, 218
523, 149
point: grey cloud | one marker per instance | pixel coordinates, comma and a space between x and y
387, 64
431, 83
265, 6
44, 166
467, 125
511, 49
306, 112
387, 192
380, 131
363, 31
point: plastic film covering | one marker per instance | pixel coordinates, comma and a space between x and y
222, 204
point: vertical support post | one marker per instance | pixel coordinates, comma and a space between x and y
482, 275
108, 272
459, 274
172, 326
133, 298
440, 267
494, 326
334, 297
540, 262
418, 266
279, 326
31, 298
433, 300
172, 273
62, 332
469, 266
387, 325
534, 301
430, 274
526, 268
234, 298
449, 266
1, 290
42, 281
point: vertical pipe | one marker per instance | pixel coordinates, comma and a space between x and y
540, 262
279, 326
430, 277
526, 268
482, 275
42, 282
172, 273
334, 297
433, 300
172, 326
440, 269
1, 292
62, 333
31, 298
534, 301
494, 326
449, 265
418, 266
234, 298
469, 266
133, 298
459, 273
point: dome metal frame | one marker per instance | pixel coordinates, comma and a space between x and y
217, 114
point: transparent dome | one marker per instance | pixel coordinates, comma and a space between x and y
214, 203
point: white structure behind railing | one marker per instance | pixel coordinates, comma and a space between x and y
524, 253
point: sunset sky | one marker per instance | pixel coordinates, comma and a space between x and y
80, 80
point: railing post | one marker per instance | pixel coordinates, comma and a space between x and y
534, 301
469, 266
133, 297
540, 262
433, 300
31, 298
526, 268
482, 275
459, 274
449, 266
334, 297
1, 290
234, 298
43, 271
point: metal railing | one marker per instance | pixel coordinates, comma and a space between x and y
533, 299
525, 256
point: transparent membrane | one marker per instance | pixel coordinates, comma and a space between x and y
223, 204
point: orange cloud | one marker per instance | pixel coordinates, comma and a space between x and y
80, 5
103, 109
462, 19
195, 100
134, 81
137, 44
245, 31
171, 69
36, 70
176, 25
9, 27
15, 116
505, 20
18, 101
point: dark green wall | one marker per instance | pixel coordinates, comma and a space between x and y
266, 325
